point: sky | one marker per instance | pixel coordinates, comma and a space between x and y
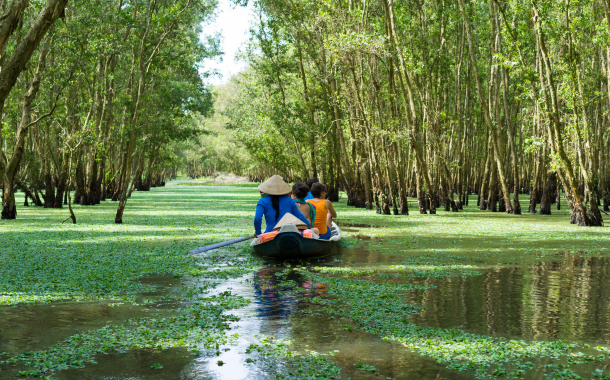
232, 23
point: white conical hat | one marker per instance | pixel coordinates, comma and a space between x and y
288, 218
275, 186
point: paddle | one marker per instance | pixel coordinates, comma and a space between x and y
218, 245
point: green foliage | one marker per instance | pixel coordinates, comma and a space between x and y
365, 367
100, 260
156, 366
119, 76
217, 147
310, 366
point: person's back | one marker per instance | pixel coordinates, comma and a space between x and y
272, 216
299, 193
324, 210
306, 211
321, 211
274, 204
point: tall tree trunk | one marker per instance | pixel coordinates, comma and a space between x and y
547, 82
485, 179
548, 193
20, 56
485, 108
492, 199
421, 196
409, 104
10, 20
126, 176
9, 209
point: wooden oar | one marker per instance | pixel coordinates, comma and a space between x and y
219, 245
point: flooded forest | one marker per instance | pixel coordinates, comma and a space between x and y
465, 146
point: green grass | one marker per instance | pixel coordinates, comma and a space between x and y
43, 260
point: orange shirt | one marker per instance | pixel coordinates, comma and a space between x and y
321, 211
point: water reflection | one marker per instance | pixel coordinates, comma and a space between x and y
35, 327
136, 365
278, 298
566, 299
278, 308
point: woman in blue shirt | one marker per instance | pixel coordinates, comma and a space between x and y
274, 203
310, 183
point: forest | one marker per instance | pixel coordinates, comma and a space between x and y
93, 94
435, 100
463, 149
383, 100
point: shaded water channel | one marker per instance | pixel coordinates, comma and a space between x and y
563, 299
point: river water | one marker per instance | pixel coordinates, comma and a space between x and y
566, 298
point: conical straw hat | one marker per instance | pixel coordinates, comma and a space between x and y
275, 186
288, 218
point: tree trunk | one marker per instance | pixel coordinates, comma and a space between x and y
126, 175
49, 195
9, 210
10, 20
534, 195
80, 195
547, 82
385, 207
492, 203
20, 56
409, 105
485, 108
548, 193
26, 190
485, 180
93, 195
421, 196
61, 189
367, 186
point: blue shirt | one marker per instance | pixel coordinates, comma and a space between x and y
308, 197
264, 207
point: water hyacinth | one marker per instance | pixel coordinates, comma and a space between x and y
374, 286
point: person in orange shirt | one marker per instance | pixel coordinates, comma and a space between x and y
325, 212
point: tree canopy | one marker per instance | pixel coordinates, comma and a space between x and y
435, 99
101, 96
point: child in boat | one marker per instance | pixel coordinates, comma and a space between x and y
275, 202
325, 212
310, 183
299, 192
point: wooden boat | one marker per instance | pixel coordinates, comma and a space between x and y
289, 244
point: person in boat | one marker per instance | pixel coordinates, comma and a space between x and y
309, 184
288, 219
275, 202
299, 194
302, 227
325, 212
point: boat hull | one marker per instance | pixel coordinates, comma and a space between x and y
293, 246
